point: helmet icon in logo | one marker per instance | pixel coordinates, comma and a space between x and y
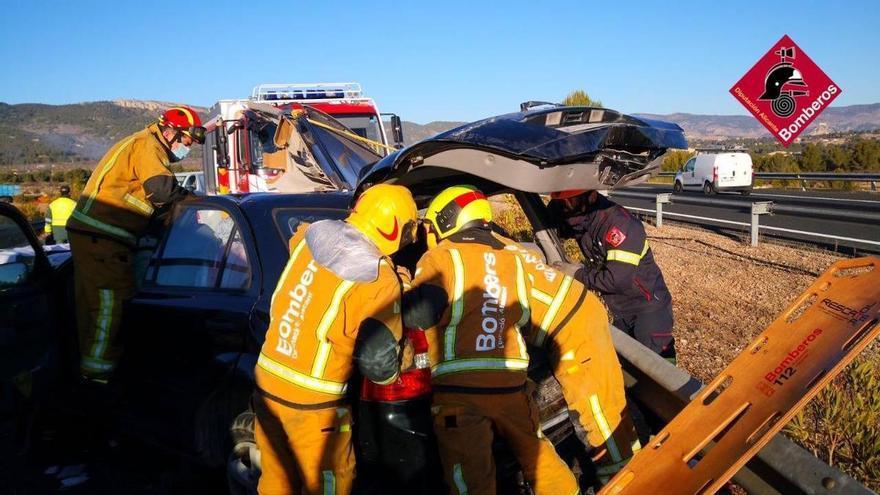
780, 84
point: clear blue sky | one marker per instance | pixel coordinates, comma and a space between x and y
428, 61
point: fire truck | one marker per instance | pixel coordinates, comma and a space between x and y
242, 149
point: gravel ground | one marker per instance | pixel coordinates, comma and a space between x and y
726, 292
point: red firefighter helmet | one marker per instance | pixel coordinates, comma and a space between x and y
186, 120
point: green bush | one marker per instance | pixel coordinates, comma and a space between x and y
841, 425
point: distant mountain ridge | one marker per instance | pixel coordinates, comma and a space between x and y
38, 133
833, 119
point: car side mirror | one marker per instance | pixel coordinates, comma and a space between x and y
397, 131
12, 274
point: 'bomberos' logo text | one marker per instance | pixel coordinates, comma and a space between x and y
785, 90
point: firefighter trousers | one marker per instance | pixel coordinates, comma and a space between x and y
465, 424
103, 279
592, 383
653, 329
303, 451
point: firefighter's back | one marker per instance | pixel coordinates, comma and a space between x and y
478, 340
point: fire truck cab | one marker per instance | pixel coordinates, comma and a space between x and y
241, 131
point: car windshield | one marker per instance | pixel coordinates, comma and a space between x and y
289, 219
366, 126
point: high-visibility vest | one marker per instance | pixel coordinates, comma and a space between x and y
58, 213
478, 340
314, 321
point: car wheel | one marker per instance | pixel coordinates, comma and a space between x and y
243, 467
676, 188
708, 188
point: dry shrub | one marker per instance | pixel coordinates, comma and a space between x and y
31, 210
509, 216
841, 425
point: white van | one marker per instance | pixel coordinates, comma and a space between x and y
713, 172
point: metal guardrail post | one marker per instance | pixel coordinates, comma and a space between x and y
661, 199
759, 208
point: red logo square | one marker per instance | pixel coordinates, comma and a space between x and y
615, 237
785, 90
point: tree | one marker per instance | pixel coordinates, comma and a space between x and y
674, 160
866, 155
836, 158
811, 158
580, 98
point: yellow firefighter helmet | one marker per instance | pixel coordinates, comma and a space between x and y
454, 209
387, 215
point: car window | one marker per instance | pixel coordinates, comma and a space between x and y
689, 166
198, 252
237, 271
16, 254
289, 219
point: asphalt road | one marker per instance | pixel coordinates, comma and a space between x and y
854, 234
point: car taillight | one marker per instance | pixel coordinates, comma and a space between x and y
410, 384
715, 173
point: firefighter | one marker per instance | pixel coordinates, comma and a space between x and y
131, 182
571, 323
472, 295
56, 217
337, 302
619, 265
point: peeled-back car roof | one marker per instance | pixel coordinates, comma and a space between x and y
536, 151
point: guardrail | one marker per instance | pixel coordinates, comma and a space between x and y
756, 209
804, 177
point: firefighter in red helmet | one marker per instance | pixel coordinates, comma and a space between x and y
131, 182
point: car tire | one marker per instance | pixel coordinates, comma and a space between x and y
676, 188
708, 188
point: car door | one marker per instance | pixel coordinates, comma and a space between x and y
194, 308
30, 358
688, 176
26, 296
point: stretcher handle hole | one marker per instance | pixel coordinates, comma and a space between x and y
854, 271
766, 426
717, 389
801, 308
815, 380
757, 346
860, 335
705, 488
619, 482
659, 441
705, 447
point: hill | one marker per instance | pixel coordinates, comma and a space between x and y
852, 118
38, 133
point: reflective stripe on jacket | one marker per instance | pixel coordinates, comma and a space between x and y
130, 181
477, 341
307, 356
